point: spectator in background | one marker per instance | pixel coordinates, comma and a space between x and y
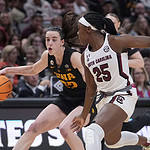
140, 27
31, 54
36, 26
5, 22
140, 78
2, 6
32, 6
146, 4
79, 7
56, 12
75, 6
56, 21
147, 65
9, 58
94, 5
35, 40
56, 8
138, 10
68, 7
17, 14
34, 47
16, 41
126, 7
109, 6
30, 86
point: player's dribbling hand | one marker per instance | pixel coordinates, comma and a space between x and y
77, 123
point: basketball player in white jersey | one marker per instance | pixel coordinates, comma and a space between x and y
107, 71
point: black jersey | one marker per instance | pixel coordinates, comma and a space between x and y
73, 84
132, 51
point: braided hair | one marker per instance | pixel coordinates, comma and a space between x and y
100, 23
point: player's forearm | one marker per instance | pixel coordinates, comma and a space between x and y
89, 99
135, 63
21, 70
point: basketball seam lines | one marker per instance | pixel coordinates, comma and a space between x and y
5, 82
2, 85
5, 92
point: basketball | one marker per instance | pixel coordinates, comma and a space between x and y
5, 87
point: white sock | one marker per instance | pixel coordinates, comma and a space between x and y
93, 137
127, 138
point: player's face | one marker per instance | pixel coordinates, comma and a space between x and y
53, 42
82, 35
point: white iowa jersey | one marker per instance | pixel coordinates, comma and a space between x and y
109, 69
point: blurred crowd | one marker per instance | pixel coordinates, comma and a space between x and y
22, 28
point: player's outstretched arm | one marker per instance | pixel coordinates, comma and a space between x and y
128, 41
30, 69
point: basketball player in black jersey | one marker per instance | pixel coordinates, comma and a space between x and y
65, 63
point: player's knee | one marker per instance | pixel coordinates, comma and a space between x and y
64, 130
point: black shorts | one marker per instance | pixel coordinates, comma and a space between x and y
67, 104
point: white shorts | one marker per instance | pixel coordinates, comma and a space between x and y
121, 99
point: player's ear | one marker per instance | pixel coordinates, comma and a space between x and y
63, 42
88, 29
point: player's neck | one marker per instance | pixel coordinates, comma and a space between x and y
59, 56
96, 45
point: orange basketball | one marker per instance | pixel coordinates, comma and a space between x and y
5, 87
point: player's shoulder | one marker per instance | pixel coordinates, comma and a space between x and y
45, 53
75, 56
